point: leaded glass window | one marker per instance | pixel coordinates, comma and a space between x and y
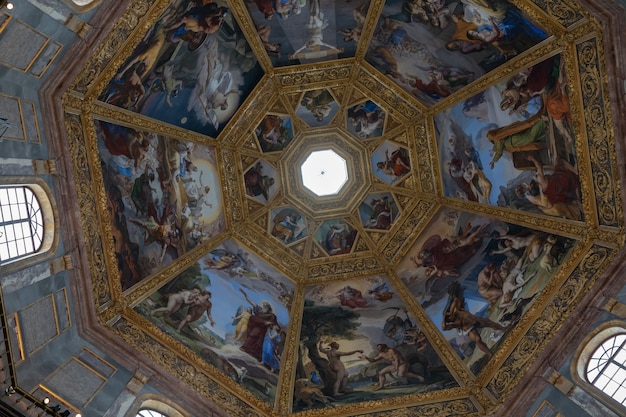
21, 223
149, 413
606, 368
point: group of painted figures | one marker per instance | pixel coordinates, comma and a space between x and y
405, 363
493, 31
156, 196
315, 46
541, 142
256, 327
191, 69
508, 267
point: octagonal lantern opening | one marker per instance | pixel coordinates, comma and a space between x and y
324, 172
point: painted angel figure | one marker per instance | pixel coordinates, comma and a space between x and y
213, 91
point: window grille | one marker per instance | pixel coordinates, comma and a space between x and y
21, 223
606, 368
149, 413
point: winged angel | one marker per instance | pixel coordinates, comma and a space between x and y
216, 95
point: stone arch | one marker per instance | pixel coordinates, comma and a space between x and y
597, 355
155, 403
49, 238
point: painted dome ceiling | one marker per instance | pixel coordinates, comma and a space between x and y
344, 208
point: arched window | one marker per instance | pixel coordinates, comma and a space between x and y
599, 364
21, 223
150, 405
29, 230
606, 368
81, 6
149, 413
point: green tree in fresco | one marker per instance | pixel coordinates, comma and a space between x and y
320, 322
190, 278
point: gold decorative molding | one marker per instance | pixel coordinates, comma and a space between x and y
88, 206
419, 196
320, 76
118, 39
564, 227
233, 194
389, 93
414, 220
550, 320
109, 113
237, 130
343, 268
461, 408
598, 123
272, 252
180, 367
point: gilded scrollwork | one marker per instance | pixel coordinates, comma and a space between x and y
259, 219
110, 314
599, 134
87, 203
285, 390
416, 218
609, 237
418, 195
232, 190
135, 13
550, 320
271, 251
335, 268
394, 123
452, 400
460, 407
236, 132
566, 13
105, 111
322, 73
390, 94
425, 156
536, 221
72, 101
184, 370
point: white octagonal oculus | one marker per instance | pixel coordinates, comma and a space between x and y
324, 172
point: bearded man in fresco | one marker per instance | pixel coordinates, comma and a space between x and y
521, 136
262, 318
